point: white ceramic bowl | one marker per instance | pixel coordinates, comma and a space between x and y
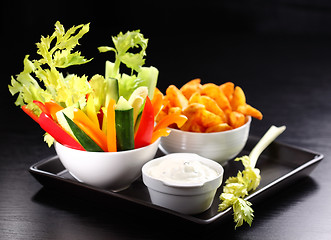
186, 198
219, 146
110, 170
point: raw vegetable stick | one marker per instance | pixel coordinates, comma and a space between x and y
92, 130
268, 138
163, 132
237, 188
87, 142
47, 123
61, 136
53, 108
30, 113
111, 128
157, 101
179, 119
124, 125
144, 133
91, 112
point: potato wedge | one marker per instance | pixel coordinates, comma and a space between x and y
195, 98
208, 119
208, 107
193, 109
192, 112
238, 98
251, 111
228, 89
213, 91
218, 128
236, 119
196, 127
210, 89
187, 125
177, 110
191, 87
176, 97
212, 106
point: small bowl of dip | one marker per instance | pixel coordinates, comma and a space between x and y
182, 182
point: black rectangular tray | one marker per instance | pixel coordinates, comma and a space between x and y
280, 164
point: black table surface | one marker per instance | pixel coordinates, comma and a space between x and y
287, 78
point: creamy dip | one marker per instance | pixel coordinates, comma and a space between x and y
180, 170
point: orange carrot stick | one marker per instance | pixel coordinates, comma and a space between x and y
84, 123
111, 128
179, 119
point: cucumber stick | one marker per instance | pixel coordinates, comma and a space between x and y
87, 143
112, 89
124, 125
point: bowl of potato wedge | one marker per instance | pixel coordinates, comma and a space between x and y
218, 120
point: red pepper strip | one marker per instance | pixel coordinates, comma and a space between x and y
145, 130
100, 118
177, 118
61, 136
42, 107
52, 107
30, 113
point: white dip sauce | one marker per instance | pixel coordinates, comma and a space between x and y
174, 170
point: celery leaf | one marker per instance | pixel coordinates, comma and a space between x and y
242, 211
146, 76
56, 51
237, 188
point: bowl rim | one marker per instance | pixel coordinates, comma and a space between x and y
249, 120
216, 166
113, 153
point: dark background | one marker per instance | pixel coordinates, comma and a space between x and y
191, 34
278, 51
218, 41
239, 40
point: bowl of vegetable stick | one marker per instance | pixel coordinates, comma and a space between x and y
108, 170
102, 126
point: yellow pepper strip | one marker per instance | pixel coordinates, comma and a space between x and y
157, 101
177, 118
94, 132
111, 128
53, 108
90, 110
163, 132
